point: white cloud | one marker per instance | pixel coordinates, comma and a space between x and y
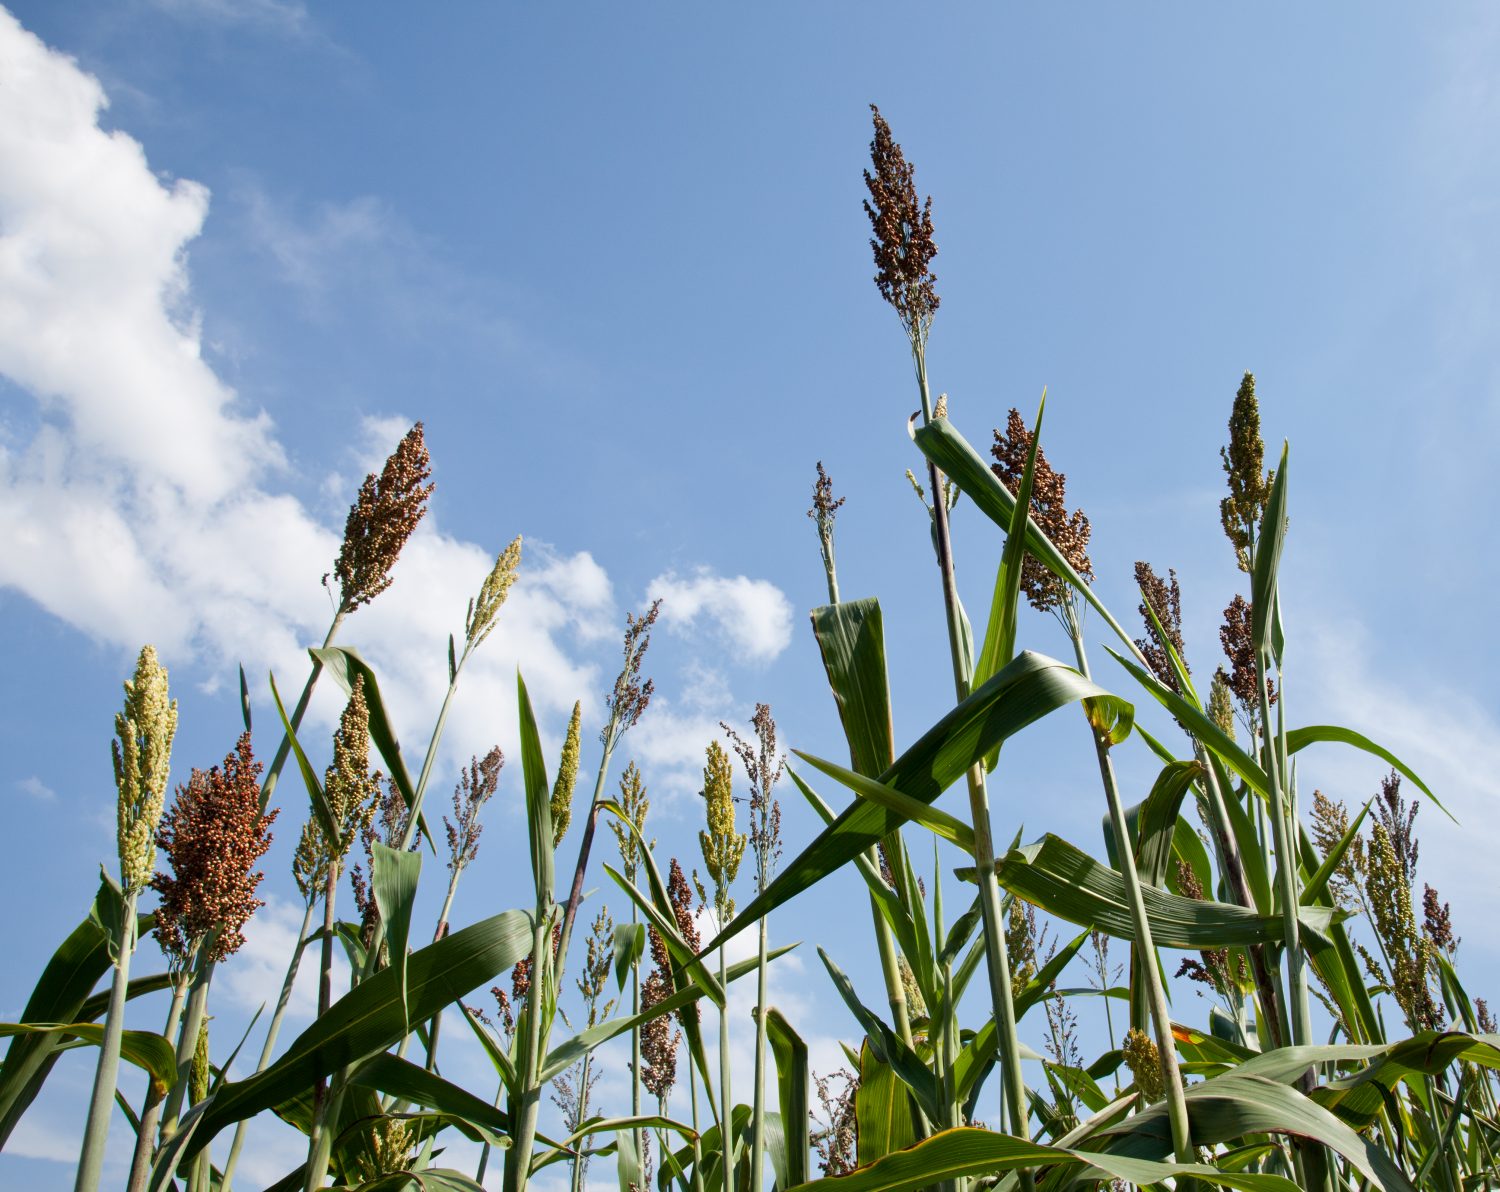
752, 616
144, 505
35, 788
1448, 738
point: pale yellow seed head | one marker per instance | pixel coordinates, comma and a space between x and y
1144, 1061
142, 756
492, 593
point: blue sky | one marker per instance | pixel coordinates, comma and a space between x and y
615, 259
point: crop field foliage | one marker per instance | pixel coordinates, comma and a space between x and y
1334, 1044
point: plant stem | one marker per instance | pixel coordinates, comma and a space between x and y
996, 956
524, 1116
726, 1112
635, 1032
758, 1135
273, 775
1145, 949
575, 894
140, 1163
102, 1102
269, 1045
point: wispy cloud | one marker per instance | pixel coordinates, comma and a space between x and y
288, 18
751, 616
35, 788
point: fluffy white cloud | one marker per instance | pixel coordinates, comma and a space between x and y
751, 616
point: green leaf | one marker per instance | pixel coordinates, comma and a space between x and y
406, 1081
630, 946
851, 640
887, 1047
790, 1052
393, 878
967, 1152
492, 1048
1159, 817
146, 1051
244, 699
1229, 1107
1012, 558
343, 664
935, 820
1021, 694
951, 452
1312, 893
882, 1109
61, 994
1265, 613
1315, 734
1065, 881
370, 1017
538, 798
315, 793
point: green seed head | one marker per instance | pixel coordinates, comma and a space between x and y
567, 778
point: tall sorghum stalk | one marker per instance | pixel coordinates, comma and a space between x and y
764, 767
382, 518
1070, 534
626, 701
213, 835
723, 848
904, 247
591, 984
635, 805
142, 754
352, 794
823, 512
476, 785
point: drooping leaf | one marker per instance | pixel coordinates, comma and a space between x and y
790, 1052
370, 1017
851, 641
147, 1051
393, 878
1065, 881
1025, 691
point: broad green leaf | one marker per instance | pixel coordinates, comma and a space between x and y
1021, 694
882, 1109
538, 798
1229, 1107
1265, 611
406, 1081
1158, 819
1065, 881
951, 452
968, 1152
393, 878
1012, 560
370, 1017
851, 641
61, 995
629, 947
145, 1050
935, 820
790, 1052
887, 1047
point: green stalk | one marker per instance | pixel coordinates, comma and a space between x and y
140, 1163
697, 1145
885, 942
102, 1101
575, 1182
996, 956
726, 1113
269, 1046
524, 1116
575, 894
1145, 949
635, 1035
1286, 875
758, 1135
320, 1140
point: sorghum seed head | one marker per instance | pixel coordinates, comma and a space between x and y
382, 518
142, 752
